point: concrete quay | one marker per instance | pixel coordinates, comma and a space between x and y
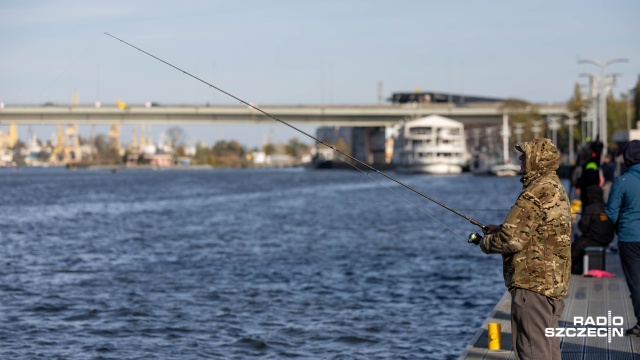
588, 297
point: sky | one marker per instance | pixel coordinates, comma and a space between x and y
291, 52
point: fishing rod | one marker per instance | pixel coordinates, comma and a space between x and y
472, 237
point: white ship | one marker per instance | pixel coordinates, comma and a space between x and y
432, 144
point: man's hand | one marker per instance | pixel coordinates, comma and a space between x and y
491, 229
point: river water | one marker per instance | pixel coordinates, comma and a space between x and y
236, 264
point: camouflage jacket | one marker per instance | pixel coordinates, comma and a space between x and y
535, 238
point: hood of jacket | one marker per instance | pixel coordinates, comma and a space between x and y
631, 153
541, 158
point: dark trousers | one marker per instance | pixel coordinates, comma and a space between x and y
531, 314
630, 258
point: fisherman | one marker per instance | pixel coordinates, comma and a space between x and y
623, 210
535, 243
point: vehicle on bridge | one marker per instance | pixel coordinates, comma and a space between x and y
429, 97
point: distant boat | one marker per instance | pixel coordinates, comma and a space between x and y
505, 170
432, 145
318, 162
486, 164
322, 158
6, 158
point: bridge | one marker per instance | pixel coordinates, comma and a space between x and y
320, 115
369, 123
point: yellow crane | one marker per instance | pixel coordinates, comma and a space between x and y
13, 135
114, 136
58, 150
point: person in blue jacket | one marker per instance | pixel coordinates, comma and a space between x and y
623, 210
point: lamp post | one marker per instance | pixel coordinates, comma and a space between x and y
587, 121
553, 125
602, 96
505, 138
593, 110
518, 131
536, 128
570, 122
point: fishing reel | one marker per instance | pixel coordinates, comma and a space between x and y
475, 238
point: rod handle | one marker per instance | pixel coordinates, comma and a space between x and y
477, 223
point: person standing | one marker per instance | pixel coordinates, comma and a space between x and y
535, 243
623, 210
590, 175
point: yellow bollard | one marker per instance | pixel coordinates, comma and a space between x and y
494, 336
576, 206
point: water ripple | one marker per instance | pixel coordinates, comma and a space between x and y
232, 264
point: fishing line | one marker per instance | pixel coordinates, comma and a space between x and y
474, 222
404, 198
367, 173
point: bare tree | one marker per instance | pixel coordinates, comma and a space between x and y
176, 136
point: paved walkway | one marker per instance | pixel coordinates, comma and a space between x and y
587, 297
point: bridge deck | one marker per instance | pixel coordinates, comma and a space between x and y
587, 297
326, 115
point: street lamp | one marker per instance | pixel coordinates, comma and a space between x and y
518, 131
602, 96
570, 122
505, 138
554, 125
536, 128
594, 84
